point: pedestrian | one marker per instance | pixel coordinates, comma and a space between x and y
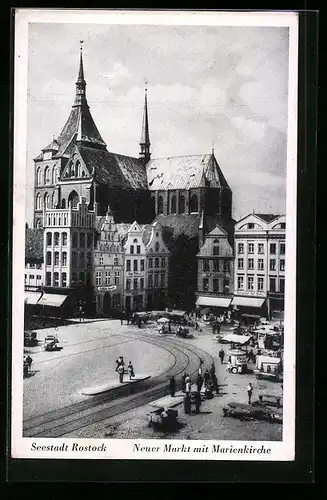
169, 327
215, 383
172, 386
29, 362
221, 355
122, 318
139, 323
120, 371
250, 356
212, 370
120, 362
199, 382
200, 367
130, 370
187, 385
206, 377
249, 391
183, 381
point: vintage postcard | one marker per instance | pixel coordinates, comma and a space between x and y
154, 235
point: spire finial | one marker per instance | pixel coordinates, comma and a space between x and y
145, 136
213, 147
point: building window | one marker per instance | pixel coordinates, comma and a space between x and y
150, 281
98, 278
75, 240
205, 284
117, 277
283, 225
282, 265
32, 266
260, 248
49, 239
56, 239
240, 263
226, 286
38, 277
156, 280
156, 262
38, 176
64, 279
160, 205
215, 250
101, 261
163, 262
116, 300
156, 247
89, 240
282, 285
206, 265
250, 225
128, 284
142, 265
64, 239
107, 278
38, 202
74, 278
250, 283
48, 279
226, 266
215, 285
49, 259
260, 264
272, 265
150, 263
53, 200
81, 259
135, 265
251, 248
194, 203
74, 259
135, 283
55, 279
142, 284
250, 263
31, 277
173, 206
181, 204
282, 249
260, 284
162, 280
56, 258
128, 265
138, 249
47, 175
240, 282
240, 248
116, 261
88, 258
131, 249
64, 258
82, 240
272, 248
272, 284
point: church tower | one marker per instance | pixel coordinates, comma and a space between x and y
145, 144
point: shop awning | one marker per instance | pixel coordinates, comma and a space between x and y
252, 316
213, 301
248, 301
236, 339
51, 299
32, 298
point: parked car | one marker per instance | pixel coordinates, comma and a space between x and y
51, 343
30, 338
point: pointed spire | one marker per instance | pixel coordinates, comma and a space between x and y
80, 97
145, 136
213, 148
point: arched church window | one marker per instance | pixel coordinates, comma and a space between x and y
173, 205
47, 175
181, 204
54, 175
194, 203
46, 200
38, 202
53, 200
77, 169
38, 223
160, 205
39, 176
73, 198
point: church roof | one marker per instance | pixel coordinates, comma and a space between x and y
33, 245
114, 169
184, 172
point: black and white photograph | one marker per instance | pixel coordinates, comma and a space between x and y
154, 235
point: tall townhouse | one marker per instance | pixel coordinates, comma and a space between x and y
134, 273
215, 271
259, 264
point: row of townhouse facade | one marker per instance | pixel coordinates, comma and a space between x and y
125, 265
247, 274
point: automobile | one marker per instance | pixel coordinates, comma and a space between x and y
30, 338
51, 343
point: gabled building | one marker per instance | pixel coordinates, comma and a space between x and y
260, 264
135, 269
215, 271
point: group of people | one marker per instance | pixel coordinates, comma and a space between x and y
208, 379
120, 369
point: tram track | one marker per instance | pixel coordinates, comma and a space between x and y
79, 415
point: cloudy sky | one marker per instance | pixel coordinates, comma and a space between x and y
223, 84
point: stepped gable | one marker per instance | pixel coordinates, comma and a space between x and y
185, 172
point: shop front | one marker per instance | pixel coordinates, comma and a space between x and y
108, 300
213, 304
249, 310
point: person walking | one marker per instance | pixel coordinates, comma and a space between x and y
29, 362
212, 370
120, 371
221, 355
183, 381
215, 383
200, 367
206, 378
199, 382
130, 370
187, 385
120, 362
172, 386
249, 391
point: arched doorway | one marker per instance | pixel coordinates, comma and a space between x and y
106, 303
74, 198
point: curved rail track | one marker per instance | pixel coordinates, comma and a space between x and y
68, 419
